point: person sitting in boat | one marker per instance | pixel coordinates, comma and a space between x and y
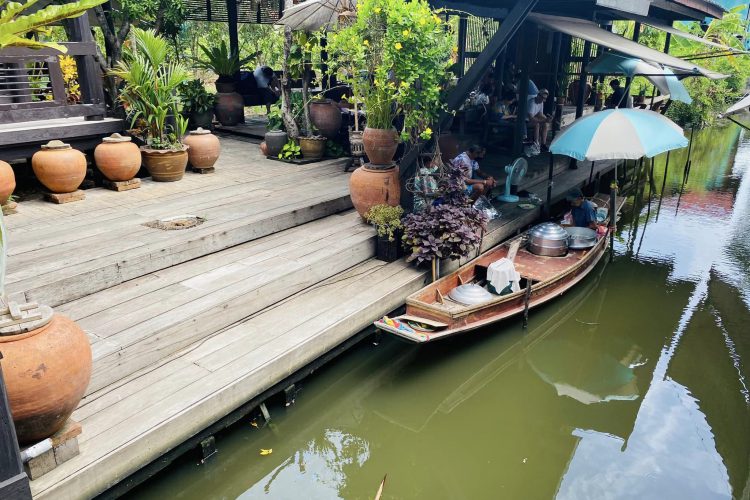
477, 182
582, 212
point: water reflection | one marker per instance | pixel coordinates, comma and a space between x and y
634, 384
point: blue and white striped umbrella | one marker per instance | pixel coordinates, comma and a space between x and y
619, 134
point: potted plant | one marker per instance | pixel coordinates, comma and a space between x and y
151, 100
226, 65
276, 136
197, 104
451, 229
387, 222
310, 142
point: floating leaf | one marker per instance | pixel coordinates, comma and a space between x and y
266, 452
254, 424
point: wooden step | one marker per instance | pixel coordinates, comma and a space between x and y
126, 426
139, 322
59, 256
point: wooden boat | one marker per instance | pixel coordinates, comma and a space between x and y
432, 315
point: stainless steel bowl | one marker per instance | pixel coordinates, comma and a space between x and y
470, 294
548, 239
581, 237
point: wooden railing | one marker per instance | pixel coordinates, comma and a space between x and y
32, 85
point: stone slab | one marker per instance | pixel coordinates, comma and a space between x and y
60, 198
122, 185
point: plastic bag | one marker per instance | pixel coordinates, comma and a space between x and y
485, 206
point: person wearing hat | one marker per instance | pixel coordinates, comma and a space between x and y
582, 211
538, 120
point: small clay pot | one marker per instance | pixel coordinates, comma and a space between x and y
204, 148
275, 140
372, 185
312, 148
380, 145
7, 182
118, 158
46, 373
264, 148
165, 165
326, 117
59, 167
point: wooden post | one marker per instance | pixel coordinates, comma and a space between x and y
555, 87
463, 24
636, 37
89, 78
234, 41
582, 79
612, 215
524, 54
14, 483
550, 174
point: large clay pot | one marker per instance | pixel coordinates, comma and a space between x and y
312, 148
229, 108
275, 140
380, 145
7, 181
118, 158
46, 373
203, 148
326, 117
59, 167
370, 185
263, 148
165, 165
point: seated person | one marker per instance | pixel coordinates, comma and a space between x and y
618, 98
477, 182
582, 211
504, 108
267, 83
538, 120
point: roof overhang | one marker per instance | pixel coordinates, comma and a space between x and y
590, 31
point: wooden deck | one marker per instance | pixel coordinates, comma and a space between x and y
187, 326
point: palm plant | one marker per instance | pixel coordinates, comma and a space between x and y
14, 25
150, 95
221, 61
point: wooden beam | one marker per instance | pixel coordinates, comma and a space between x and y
463, 23
527, 60
89, 78
234, 41
497, 43
580, 101
26, 112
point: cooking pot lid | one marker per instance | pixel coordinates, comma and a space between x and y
56, 145
117, 138
200, 131
470, 294
549, 231
18, 318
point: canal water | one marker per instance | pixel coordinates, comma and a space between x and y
634, 385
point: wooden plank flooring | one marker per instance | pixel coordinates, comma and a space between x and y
60, 253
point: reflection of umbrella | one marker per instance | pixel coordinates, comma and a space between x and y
583, 374
741, 105
619, 134
315, 14
664, 79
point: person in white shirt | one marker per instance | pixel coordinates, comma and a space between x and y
537, 119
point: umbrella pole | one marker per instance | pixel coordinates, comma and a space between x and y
663, 185
591, 175
612, 215
548, 205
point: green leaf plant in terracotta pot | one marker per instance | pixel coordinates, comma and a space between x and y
226, 65
152, 102
197, 104
387, 222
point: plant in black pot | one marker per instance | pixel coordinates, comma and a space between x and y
275, 136
197, 104
387, 222
226, 64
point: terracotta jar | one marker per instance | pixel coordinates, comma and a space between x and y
263, 148
46, 372
7, 182
312, 148
326, 117
59, 167
203, 148
118, 158
165, 165
275, 140
230, 106
380, 145
372, 185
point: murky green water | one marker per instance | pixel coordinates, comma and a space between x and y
635, 385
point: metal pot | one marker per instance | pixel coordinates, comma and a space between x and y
580, 237
548, 239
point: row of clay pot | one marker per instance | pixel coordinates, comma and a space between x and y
61, 169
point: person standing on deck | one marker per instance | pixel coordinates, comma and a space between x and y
477, 182
582, 211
